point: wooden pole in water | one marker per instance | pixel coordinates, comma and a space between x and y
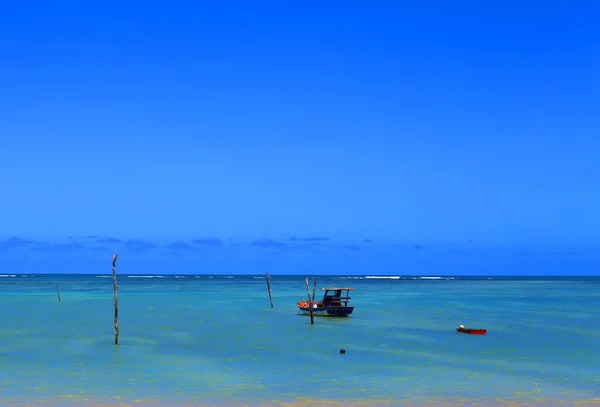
269, 288
314, 288
58, 292
310, 303
114, 270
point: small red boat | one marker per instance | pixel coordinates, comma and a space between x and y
472, 331
333, 304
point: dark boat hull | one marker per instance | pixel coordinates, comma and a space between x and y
472, 331
332, 311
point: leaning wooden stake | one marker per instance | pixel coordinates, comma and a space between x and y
310, 303
114, 270
57, 292
314, 289
269, 288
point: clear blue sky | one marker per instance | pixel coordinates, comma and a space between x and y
427, 127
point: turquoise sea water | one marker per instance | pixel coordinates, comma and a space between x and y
214, 340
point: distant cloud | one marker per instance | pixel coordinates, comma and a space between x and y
367, 241
101, 240
87, 242
42, 246
208, 241
523, 253
234, 242
268, 243
418, 247
14, 242
57, 247
107, 240
136, 245
17, 242
99, 248
309, 239
353, 247
180, 246
568, 253
305, 245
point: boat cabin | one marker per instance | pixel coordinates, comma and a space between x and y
336, 297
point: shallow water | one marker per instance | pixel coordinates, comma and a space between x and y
214, 340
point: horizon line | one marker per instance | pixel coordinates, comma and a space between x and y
3, 275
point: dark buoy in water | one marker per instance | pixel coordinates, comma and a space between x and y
342, 351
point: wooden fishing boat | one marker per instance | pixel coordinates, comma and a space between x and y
472, 331
333, 303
